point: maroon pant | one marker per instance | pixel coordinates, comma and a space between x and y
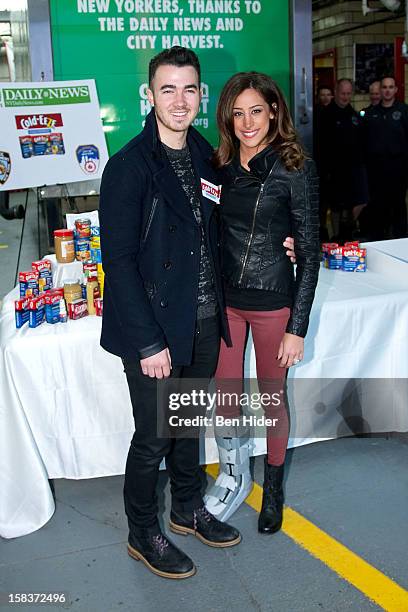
268, 328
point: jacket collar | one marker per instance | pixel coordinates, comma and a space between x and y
262, 163
166, 178
151, 131
259, 166
194, 139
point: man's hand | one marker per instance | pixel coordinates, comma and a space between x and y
290, 245
157, 366
290, 350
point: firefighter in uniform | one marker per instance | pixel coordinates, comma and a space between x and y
339, 157
386, 145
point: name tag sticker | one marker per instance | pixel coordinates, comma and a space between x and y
211, 191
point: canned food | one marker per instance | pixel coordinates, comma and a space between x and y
83, 228
99, 307
90, 269
82, 250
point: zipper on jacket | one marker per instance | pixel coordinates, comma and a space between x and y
253, 223
150, 219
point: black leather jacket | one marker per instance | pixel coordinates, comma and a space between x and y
259, 209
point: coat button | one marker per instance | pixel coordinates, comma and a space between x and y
191, 252
172, 228
167, 265
164, 303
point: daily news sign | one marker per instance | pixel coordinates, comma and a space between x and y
51, 132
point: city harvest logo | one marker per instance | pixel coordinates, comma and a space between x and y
44, 96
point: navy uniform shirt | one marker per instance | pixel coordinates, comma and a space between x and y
386, 130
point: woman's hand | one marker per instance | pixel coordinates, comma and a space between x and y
290, 245
290, 350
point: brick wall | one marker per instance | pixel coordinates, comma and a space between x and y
333, 29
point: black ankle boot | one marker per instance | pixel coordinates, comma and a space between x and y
205, 527
159, 554
270, 517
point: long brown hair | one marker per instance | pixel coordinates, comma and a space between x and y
282, 133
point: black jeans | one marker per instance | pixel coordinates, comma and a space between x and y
147, 449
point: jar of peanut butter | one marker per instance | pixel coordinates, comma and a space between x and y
72, 291
64, 245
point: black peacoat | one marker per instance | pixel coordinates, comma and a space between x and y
150, 244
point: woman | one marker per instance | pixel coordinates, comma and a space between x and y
269, 192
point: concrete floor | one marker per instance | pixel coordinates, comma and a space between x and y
355, 489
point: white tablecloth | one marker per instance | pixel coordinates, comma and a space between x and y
397, 248
65, 408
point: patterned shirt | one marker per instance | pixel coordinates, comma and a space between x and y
180, 160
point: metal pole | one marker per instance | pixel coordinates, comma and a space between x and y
302, 70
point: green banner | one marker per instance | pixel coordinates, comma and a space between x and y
44, 96
114, 40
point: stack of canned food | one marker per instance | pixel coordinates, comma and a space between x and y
39, 302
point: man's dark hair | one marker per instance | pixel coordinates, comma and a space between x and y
325, 87
176, 56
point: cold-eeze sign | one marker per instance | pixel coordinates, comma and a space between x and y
39, 121
51, 134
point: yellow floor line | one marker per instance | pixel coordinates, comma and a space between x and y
349, 566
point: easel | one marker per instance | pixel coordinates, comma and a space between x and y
21, 237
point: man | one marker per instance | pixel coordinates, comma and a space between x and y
163, 308
374, 92
386, 146
340, 162
324, 96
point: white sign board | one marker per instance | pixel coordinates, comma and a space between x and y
50, 132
